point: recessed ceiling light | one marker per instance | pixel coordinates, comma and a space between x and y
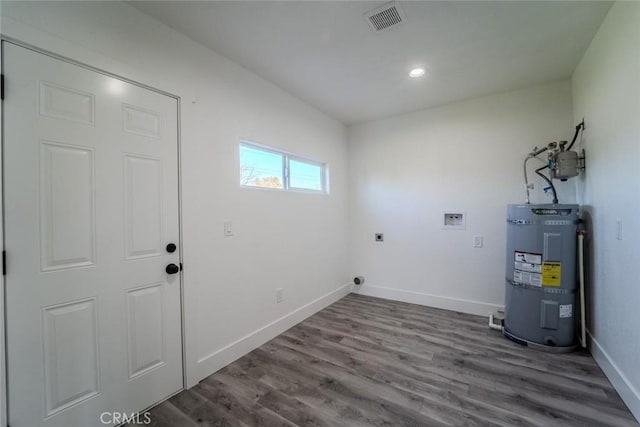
416, 72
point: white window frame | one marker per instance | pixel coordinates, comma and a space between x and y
286, 158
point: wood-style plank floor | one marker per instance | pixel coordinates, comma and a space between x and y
370, 362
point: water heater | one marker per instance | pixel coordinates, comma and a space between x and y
540, 294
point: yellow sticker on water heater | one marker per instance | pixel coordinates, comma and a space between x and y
551, 273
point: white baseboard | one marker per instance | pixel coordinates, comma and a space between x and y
221, 358
621, 383
437, 301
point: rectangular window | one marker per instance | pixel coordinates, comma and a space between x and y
269, 168
261, 168
306, 175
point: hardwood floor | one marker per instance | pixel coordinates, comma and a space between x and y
365, 361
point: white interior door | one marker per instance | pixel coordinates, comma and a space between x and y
90, 204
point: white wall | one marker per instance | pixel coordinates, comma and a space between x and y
405, 171
606, 92
294, 241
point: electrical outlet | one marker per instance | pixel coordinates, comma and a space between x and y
379, 237
619, 229
279, 295
228, 228
477, 241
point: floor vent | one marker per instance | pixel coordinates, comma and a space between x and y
385, 17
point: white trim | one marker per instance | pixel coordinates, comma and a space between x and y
18, 42
3, 362
217, 360
621, 383
448, 303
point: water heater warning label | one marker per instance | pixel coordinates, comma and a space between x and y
528, 258
532, 279
527, 268
566, 311
531, 268
551, 273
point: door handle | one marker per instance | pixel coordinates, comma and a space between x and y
172, 269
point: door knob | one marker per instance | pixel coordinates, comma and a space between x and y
172, 269
171, 248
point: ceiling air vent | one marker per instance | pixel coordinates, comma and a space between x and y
385, 17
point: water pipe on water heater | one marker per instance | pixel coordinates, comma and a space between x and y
492, 325
561, 162
583, 326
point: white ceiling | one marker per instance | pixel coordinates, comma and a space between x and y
325, 53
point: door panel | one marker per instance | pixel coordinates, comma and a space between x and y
67, 218
91, 201
70, 329
145, 321
66, 103
143, 206
140, 121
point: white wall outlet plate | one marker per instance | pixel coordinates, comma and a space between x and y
279, 295
477, 241
619, 229
228, 228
